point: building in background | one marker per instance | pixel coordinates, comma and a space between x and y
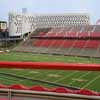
98, 22
22, 23
24, 10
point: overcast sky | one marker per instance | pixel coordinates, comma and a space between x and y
51, 6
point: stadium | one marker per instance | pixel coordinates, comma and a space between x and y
54, 56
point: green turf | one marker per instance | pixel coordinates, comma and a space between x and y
89, 79
64, 77
13, 56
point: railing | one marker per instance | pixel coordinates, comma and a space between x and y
36, 95
62, 93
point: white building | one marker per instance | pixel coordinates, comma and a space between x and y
22, 23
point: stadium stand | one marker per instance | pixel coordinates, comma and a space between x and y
55, 90
70, 40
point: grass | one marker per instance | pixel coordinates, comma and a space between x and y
90, 80
15, 56
65, 78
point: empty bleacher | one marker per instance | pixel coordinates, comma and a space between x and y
70, 40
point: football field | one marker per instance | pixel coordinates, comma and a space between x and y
78, 79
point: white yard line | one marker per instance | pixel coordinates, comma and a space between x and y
86, 85
55, 74
24, 75
80, 77
66, 76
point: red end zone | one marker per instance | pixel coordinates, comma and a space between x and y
52, 66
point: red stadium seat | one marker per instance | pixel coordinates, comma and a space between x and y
38, 88
3, 86
85, 92
18, 87
61, 90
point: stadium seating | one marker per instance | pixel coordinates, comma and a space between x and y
54, 90
91, 31
68, 43
95, 34
39, 88
69, 40
18, 86
61, 90
72, 34
3, 86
